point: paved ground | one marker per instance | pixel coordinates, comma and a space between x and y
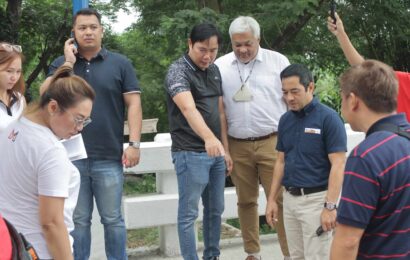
231, 249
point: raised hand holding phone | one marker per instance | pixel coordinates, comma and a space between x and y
70, 50
72, 35
333, 10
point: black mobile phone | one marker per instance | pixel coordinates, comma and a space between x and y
72, 35
333, 10
319, 231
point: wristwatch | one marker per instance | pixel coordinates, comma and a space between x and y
134, 144
330, 205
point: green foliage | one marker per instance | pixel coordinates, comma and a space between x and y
42, 24
179, 26
159, 37
378, 29
379, 26
151, 65
327, 88
140, 185
234, 222
142, 237
38, 33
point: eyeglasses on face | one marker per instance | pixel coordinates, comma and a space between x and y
10, 47
80, 121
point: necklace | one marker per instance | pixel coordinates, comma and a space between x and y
250, 73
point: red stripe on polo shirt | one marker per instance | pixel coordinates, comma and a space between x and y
377, 145
394, 232
394, 165
395, 190
362, 177
397, 211
358, 203
401, 231
355, 150
385, 256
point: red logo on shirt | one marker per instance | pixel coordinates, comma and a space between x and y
13, 135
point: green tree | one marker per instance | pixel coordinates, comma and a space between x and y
41, 27
161, 32
296, 28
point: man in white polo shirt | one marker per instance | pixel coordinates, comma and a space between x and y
252, 94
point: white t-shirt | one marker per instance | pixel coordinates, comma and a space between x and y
16, 111
33, 163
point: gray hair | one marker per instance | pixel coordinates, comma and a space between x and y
243, 24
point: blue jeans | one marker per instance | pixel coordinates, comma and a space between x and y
199, 176
102, 179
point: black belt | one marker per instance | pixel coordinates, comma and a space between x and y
304, 191
251, 139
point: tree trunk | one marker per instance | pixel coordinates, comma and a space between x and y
13, 14
292, 29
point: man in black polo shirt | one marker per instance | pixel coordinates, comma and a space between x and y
113, 78
311, 146
199, 140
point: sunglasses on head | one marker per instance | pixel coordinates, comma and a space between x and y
10, 47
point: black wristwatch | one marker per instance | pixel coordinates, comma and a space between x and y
134, 144
330, 205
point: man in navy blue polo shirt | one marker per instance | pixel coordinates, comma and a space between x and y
113, 78
311, 146
373, 219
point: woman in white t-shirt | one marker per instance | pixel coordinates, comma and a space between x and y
12, 100
39, 185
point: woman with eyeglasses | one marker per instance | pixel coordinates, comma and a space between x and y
38, 183
12, 100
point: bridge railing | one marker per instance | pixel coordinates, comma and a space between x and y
160, 209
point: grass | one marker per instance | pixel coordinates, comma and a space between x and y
142, 237
139, 184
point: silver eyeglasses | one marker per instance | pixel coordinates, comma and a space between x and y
80, 121
10, 47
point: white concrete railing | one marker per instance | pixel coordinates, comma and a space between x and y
160, 209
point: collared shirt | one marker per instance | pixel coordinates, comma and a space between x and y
261, 115
376, 192
111, 75
205, 87
307, 137
11, 113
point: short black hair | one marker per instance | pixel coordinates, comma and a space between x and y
300, 70
87, 11
204, 31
